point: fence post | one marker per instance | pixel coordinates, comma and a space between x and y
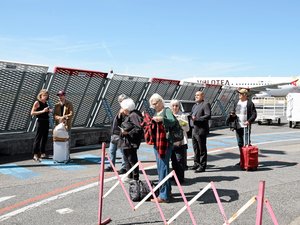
260, 202
101, 180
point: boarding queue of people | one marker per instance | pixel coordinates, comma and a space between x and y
130, 127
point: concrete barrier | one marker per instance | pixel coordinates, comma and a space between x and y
21, 143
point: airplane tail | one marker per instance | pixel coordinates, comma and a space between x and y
295, 82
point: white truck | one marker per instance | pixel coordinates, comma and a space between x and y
270, 109
293, 109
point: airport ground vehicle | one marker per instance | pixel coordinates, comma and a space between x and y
293, 109
270, 109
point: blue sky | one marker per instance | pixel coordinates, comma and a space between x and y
155, 38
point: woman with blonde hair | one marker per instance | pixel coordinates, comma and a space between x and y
162, 120
41, 110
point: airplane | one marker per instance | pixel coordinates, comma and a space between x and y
262, 86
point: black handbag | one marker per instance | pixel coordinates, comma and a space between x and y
176, 132
115, 139
127, 126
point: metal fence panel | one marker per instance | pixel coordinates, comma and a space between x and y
82, 88
132, 86
187, 91
19, 86
164, 87
223, 100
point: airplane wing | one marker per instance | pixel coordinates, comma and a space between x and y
274, 86
280, 89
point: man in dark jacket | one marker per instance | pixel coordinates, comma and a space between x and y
201, 113
115, 137
245, 113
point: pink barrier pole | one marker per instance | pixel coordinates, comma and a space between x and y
219, 202
184, 198
101, 180
271, 212
121, 183
153, 194
260, 202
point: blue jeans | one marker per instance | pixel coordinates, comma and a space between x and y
113, 153
163, 171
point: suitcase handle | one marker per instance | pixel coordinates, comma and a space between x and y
248, 143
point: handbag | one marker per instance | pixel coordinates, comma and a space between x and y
127, 126
176, 132
115, 139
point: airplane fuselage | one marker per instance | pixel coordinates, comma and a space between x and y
246, 82
291, 85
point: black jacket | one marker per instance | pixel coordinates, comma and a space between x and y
115, 127
251, 113
132, 124
202, 112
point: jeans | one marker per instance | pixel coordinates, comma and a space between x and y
242, 134
163, 171
113, 152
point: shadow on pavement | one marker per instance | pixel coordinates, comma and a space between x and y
144, 222
226, 195
276, 164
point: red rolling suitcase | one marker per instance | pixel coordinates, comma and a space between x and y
249, 156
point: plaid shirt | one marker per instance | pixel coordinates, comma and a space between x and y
148, 127
155, 134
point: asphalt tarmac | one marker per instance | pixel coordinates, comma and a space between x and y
50, 193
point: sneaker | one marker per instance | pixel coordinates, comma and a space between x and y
122, 171
200, 170
43, 156
194, 167
108, 169
36, 158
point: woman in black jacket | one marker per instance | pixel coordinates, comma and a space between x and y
132, 133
